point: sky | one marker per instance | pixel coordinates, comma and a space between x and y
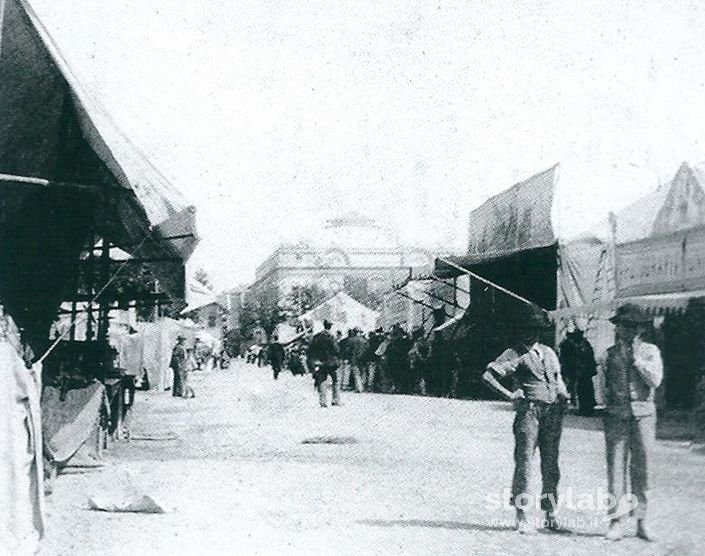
272, 116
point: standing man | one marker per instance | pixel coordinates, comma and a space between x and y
578, 368
357, 348
419, 357
539, 395
323, 361
276, 356
178, 366
634, 370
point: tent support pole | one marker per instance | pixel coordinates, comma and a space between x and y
414, 300
103, 315
490, 283
89, 284
454, 285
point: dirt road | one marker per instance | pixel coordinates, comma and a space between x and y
409, 475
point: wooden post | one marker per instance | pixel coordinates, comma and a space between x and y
89, 286
103, 314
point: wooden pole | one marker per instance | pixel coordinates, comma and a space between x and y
89, 285
492, 284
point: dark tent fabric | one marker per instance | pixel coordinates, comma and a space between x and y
54, 135
517, 219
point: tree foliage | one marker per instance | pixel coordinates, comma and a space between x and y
261, 308
202, 277
303, 298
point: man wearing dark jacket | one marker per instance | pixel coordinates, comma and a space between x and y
578, 367
276, 356
323, 361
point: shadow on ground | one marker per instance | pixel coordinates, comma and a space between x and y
455, 525
466, 526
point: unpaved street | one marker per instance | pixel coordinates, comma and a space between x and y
410, 475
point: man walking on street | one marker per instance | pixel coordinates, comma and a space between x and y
323, 361
539, 395
633, 372
276, 356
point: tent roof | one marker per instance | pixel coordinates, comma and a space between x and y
51, 128
198, 296
517, 219
340, 298
342, 305
641, 218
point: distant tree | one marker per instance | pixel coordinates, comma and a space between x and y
358, 288
202, 277
303, 298
261, 308
137, 283
173, 309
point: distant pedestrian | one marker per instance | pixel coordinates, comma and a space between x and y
261, 353
344, 369
398, 360
177, 364
578, 367
356, 351
442, 361
323, 361
276, 356
633, 372
188, 367
538, 394
374, 340
201, 352
419, 358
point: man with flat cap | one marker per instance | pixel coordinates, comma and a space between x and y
633, 371
539, 396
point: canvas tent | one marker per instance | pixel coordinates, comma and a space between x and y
658, 262
157, 340
513, 246
344, 312
66, 173
65, 164
647, 253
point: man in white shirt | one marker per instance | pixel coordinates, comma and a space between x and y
633, 372
539, 395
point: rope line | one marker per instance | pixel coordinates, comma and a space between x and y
62, 336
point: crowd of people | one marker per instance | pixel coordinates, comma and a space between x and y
391, 361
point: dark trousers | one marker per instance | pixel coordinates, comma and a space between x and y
178, 384
586, 395
537, 424
276, 368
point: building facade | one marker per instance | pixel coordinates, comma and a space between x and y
352, 254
